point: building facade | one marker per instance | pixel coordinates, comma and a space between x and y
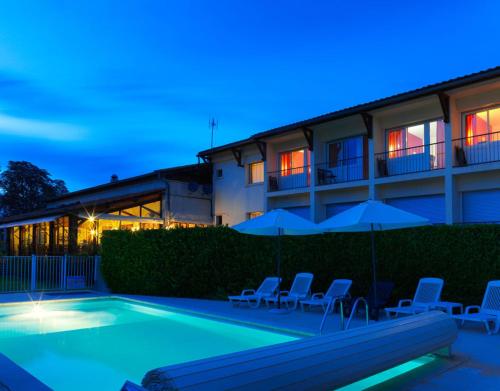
74, 222
434, 151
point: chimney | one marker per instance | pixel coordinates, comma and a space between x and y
114, 178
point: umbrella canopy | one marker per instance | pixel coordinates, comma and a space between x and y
372, 215
276, 223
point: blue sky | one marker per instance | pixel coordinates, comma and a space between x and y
91, 88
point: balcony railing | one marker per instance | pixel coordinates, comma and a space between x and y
477, 149
410, 160
291, 178
345, 170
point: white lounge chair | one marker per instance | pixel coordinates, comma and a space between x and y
253, 297
338, 289
300, 290
489, 312
427, 295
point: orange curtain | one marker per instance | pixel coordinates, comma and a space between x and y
286, 163
469, 129
395, 141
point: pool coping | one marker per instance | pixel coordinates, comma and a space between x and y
15, 377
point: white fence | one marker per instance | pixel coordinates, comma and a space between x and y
48, 273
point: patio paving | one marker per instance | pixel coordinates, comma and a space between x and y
476, 355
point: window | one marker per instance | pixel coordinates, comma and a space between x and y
219, 173
347, 152
256, 172
293, 162
411, 140
482, 126
253, 215
218, 220
415, 139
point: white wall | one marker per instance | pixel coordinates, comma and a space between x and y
233, 197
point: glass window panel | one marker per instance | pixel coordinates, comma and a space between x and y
436, 139
86, 234
292, 163
494, 119
436, 132
14, 240
298, 159
415, 139
134, 211
476, 127
108, 225
256, 174
334, 153
153, 209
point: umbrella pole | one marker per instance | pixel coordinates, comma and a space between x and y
278, 261
374, 267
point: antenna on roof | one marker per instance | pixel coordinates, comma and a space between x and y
213, 124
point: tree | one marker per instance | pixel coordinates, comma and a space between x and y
25, 187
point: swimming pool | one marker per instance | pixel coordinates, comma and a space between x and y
97, 344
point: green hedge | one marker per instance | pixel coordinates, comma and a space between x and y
212, 262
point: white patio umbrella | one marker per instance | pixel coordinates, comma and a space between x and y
277, 222
371, 216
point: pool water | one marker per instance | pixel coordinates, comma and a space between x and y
97, 344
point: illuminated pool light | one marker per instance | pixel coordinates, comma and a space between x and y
388, 374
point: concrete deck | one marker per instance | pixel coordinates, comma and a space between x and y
475, 365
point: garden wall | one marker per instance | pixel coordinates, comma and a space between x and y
212, 262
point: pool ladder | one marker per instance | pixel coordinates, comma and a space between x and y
345, 325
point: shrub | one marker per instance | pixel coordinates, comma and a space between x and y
212, 262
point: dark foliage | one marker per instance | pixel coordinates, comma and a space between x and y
212, 262
25, 187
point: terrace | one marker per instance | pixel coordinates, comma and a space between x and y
477, 149
474, 363
481, 139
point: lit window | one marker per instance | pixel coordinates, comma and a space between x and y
494, 122
411, 140
482, 126
253, 215
256, 172
293, 162
415, 139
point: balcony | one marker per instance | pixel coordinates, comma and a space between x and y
290, 178
477, 149
422, 158
346, 170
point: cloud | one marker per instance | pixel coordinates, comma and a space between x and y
23, 97
55, 131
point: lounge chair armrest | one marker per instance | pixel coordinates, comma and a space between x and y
469, 309
317, 296
284, 293
405, 302
247, 292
